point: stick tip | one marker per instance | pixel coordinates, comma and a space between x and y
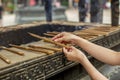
8, 61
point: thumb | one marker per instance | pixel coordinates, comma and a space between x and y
65, 50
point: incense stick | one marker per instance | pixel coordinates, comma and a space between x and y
5, 59
53, 49
28, 48
13, 51
47, 40
47, 34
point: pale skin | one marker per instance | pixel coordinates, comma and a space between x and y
101, 53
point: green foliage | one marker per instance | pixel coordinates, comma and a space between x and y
8, 5
64, 2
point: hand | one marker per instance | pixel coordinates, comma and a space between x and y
65, 37
74, 54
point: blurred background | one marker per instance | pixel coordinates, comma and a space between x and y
23, 11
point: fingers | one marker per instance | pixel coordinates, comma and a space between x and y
67, 50
64, 51
57, 36
68, 53
73, 54
59, 39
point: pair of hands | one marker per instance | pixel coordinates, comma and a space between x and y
72, 53
76, 55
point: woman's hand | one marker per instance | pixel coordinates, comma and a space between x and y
74, 54
65, 37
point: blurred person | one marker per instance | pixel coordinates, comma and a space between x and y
37, 2
57, 3
32, 3
24, 3
96, 11
48, 10
88, 8
1, 12
82, 10
75, 3
104, 3
42, 2
101, 53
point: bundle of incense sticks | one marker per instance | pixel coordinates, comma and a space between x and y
83, 35
48, 48
91, 31
28, 48
47, 40
75, 32
13, 51
106, 29
5, 59
98, 30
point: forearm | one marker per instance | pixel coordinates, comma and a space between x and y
95, 75
101, 53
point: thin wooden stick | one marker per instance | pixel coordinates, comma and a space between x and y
47, 40
13, 51
54, 33
47, 34
5, 59
41, 47
28, 48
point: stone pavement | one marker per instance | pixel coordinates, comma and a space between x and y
71, 14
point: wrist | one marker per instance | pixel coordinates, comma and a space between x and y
76, 40
80, 41
83, 60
